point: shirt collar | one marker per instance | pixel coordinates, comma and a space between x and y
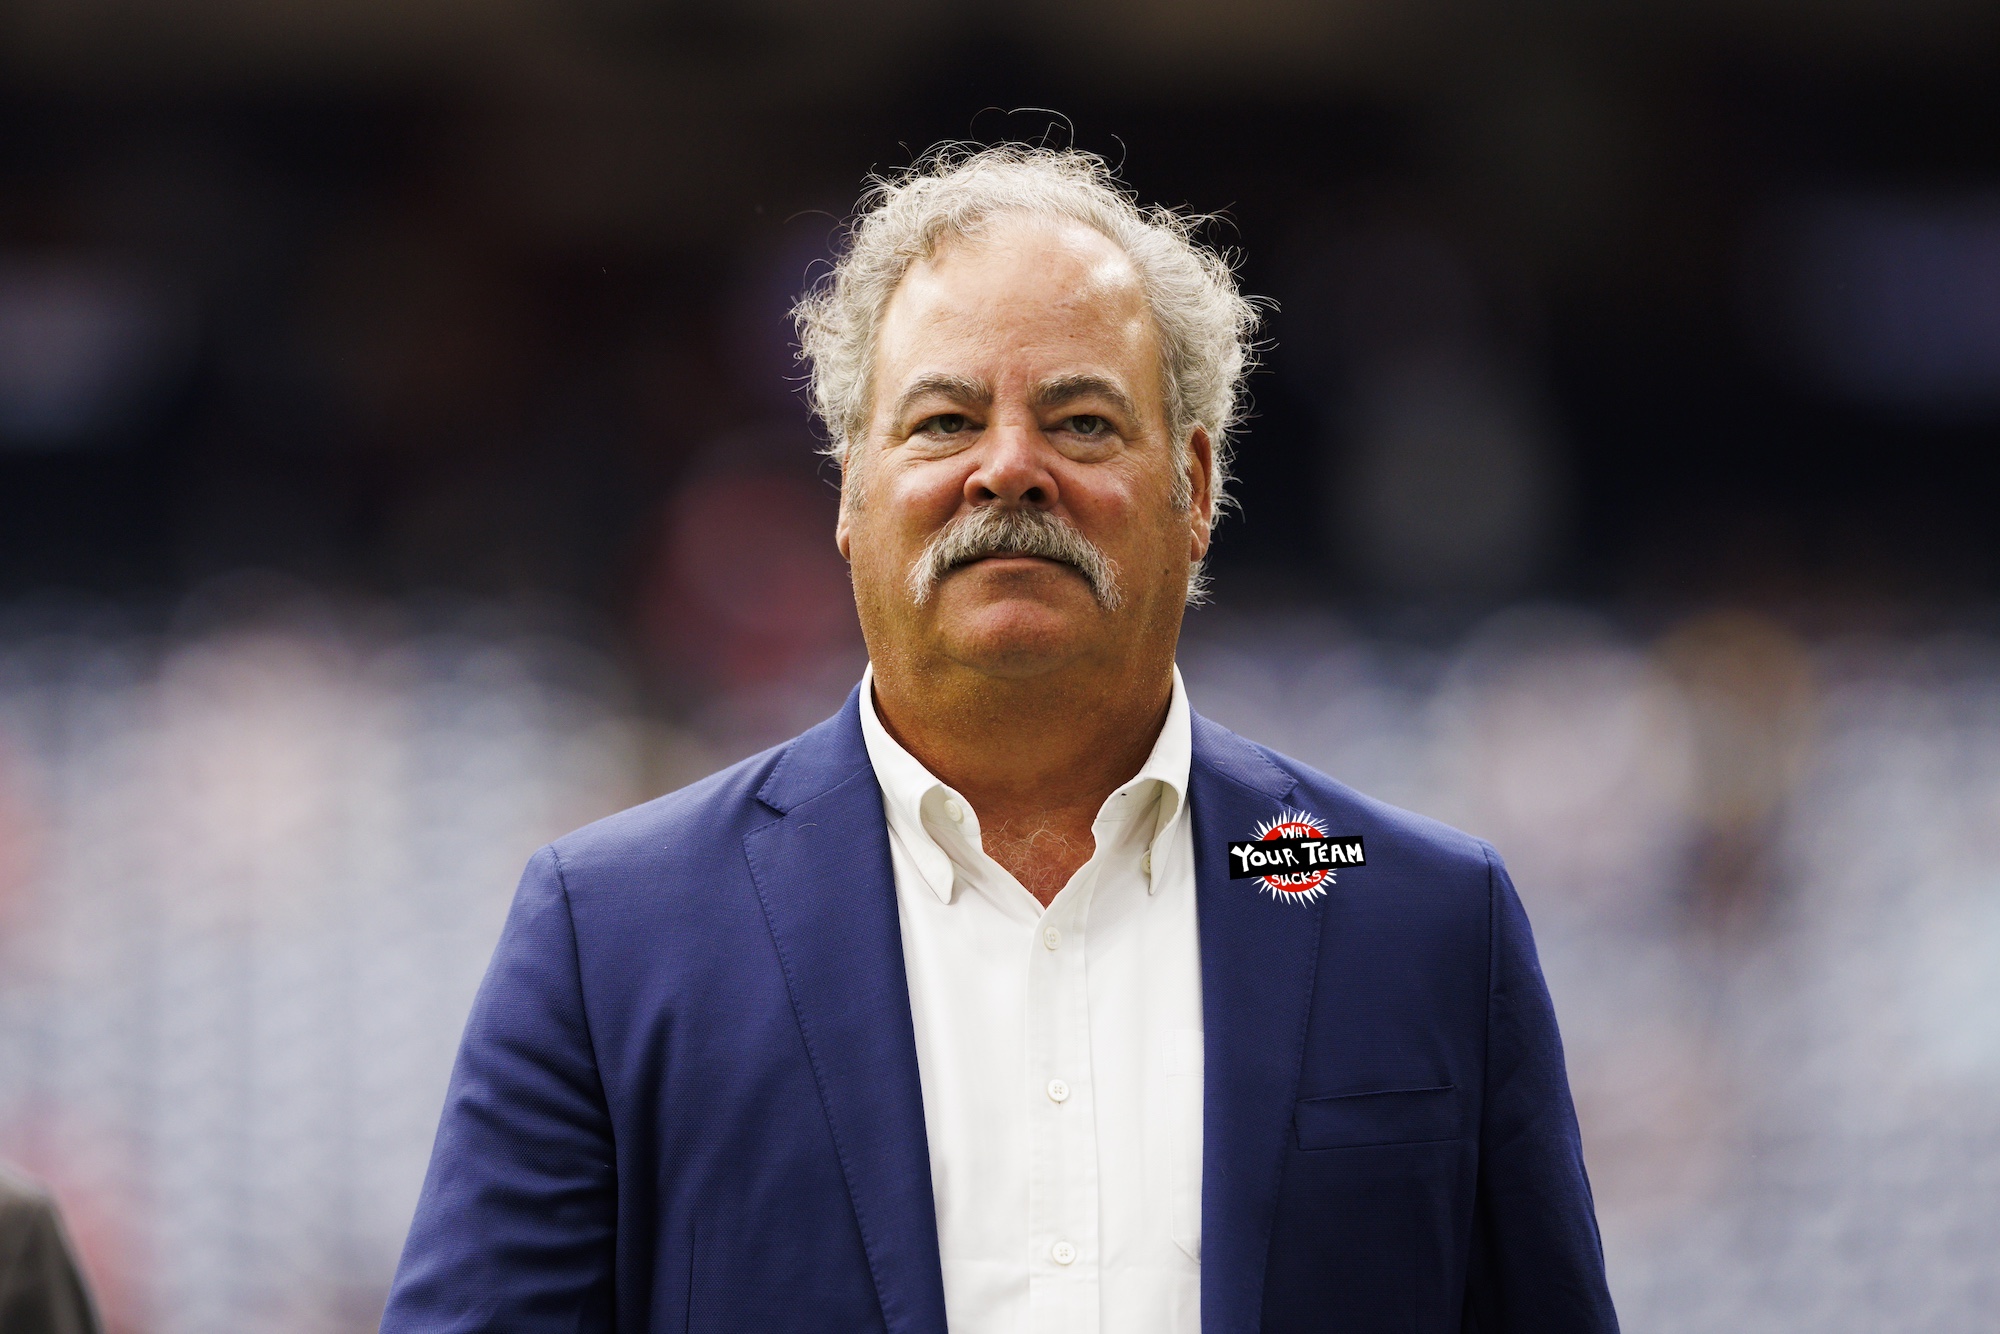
1168, 765
908, 787
905, 784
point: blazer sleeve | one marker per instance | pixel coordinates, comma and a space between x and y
515, 1227
1537, 1264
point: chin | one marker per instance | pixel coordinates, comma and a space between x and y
1020, 637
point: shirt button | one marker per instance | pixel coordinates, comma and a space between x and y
1052, 938
1062, 1253
1146, 863
954, 810
1058, 1091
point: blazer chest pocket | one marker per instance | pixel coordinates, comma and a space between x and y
1392, 1116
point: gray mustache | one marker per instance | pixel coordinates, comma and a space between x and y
1013, 532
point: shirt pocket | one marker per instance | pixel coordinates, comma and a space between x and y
1390, 1116
1174, 1147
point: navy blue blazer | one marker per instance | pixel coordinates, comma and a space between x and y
687, 1097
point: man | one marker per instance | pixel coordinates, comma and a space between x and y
42, 1290
1016, 996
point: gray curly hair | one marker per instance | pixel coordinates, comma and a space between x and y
1205, 325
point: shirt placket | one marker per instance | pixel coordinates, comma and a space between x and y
1064, 1251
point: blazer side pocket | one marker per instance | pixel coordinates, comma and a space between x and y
1392, 1116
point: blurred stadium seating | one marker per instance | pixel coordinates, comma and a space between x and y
401, 463
253, 874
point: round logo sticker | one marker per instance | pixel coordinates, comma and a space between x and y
1303, 886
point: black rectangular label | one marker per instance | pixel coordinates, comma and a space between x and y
1294, 856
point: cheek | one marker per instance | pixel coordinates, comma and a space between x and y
918, 499
876, 569
892, 514
1130, 501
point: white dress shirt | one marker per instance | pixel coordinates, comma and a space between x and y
1060, 1051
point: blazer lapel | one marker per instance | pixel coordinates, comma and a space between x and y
828, 890
1258, 961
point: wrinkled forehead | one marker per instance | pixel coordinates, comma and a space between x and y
1023, 296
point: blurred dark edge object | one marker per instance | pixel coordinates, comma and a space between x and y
42, 1289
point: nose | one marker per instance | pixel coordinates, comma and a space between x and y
1012, 469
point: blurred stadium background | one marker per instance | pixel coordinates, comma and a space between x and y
401, 462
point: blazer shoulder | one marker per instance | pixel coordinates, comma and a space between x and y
713, 812
708, 819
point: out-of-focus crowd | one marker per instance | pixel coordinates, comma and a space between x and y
250, 875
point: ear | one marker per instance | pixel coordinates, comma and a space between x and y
849, 494
1201, 492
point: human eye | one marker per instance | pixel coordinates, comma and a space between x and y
944, 424
1088, 425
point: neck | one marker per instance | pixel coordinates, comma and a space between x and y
1036, 757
